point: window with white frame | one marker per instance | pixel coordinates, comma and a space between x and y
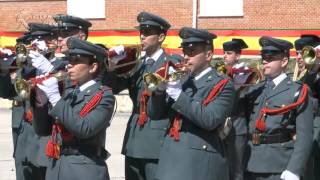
90, 9
220, 8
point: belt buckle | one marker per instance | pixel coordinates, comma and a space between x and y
256, 138
15, 103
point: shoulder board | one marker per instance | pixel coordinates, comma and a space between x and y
290, 74
68, 89
175, 58
256, 89
106, 88
218, 74
299, 82
295, 84
261, 83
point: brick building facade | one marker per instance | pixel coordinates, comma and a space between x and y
258, 14
278, 18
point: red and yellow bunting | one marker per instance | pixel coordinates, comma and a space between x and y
131, 37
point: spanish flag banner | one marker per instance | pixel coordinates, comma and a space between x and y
172, 42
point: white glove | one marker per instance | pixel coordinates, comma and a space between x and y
287, 175
8, 52
118, 49
40, 62
116, 54
51, 89
174, 89
40, 44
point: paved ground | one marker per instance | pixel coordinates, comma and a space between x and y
113, 143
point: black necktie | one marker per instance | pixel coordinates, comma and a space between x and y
75, 92
269, 87
149, 63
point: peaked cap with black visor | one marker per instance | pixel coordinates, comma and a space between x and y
273, 46
306, 40
78, 48
148, 21
39, 30
234, 45
191, 36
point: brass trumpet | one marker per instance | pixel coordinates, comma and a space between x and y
127, 62
243, 76
22, 51
168, 73
23, 87
220, 67
309, 55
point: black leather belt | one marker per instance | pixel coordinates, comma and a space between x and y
261, 138
87, 151
16, 103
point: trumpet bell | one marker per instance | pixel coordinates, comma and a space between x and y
127, 62
308, 55
175, 76
152, 80
22, 88
221, 67
21, 49
21, 57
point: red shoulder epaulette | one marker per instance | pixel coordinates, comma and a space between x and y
94, 101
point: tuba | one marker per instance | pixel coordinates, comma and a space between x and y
169, 72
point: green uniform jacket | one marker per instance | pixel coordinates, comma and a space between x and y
25, 141
89, 134
291, 155
145, 141
199, 154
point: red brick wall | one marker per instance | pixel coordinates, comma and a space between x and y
258, 14
13, 13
